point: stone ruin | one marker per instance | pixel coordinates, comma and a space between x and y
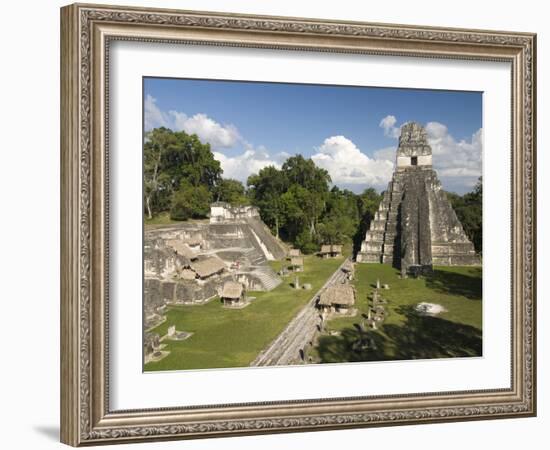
188, 263
415, 226
153, 349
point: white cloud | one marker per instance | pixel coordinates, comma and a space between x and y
153, 116
207, 129
458, 163
348, 166
388, 124
218, 136
455, 159
239, 167
251, 161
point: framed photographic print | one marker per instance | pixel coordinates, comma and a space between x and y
277, 224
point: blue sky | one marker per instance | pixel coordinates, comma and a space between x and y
351, 131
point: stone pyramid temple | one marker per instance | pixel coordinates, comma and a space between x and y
415, 226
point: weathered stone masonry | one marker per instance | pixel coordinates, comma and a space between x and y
189, 263
415, 226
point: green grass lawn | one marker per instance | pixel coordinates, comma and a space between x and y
406, 334
163, 218
233, 338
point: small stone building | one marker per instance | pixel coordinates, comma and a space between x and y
209, 267
330, 251
337, 298
297, 263
151, 343
222, 211
232, 293
294, 252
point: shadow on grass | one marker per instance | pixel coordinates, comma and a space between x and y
420, 337
454, 283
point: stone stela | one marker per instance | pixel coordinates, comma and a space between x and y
415, 226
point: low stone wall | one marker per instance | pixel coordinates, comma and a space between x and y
152, 296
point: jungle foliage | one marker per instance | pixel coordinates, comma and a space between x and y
469, 210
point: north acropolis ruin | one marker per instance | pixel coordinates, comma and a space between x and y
189, 263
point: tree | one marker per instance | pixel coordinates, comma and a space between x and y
156, 145
305, 242
293, 215
296, 203
469, 210
310, 184
191, 160
190, 202
306, 174
341, 217
329, 231
230, 191
311, 203
265, 191
171, 158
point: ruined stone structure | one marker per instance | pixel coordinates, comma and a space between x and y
222, 212
189, 263
330, 251
232, 293
415, 226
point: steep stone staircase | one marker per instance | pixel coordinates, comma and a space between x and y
267, 276
381, 243
255, 257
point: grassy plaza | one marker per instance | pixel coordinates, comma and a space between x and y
233, 337
406, 334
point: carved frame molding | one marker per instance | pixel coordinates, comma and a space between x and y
86, 32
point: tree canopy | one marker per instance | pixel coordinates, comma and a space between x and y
299, 204
469, 210
230, 191
175, 162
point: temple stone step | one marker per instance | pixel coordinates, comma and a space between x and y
375, 236
453, 248
369, 257
268, 277
373, 247
456, 260
378, 225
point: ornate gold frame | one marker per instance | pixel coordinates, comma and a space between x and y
86, 31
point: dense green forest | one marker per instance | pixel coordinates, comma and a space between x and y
469, 210
297, 201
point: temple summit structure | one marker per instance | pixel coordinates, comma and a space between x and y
415, 226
